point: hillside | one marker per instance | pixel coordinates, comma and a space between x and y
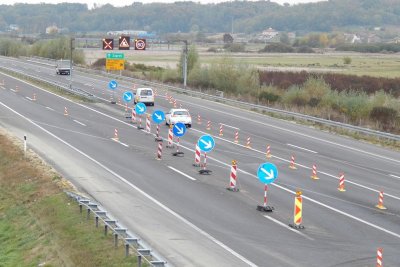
244, 16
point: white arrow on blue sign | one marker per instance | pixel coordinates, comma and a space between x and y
158, 116
179, 129
113, 85
267, 173
206, 143
127, 96
140, 108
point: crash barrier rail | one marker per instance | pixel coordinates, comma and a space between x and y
131, 241
59, 86
220, 98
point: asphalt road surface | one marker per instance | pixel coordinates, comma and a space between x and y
191, 219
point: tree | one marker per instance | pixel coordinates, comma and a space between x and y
192, 59
284, 38
228, 39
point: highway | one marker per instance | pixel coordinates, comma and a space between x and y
191, 219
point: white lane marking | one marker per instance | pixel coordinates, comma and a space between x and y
302, 148
27, 97
79, 122
288, 227
184, 174
300, 165
229, 126
155, 201
13, 90
116, 140
290, 131
229, 166
394, 176
50, 108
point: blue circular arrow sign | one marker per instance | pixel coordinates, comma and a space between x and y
140, 108
267, 173
179, 129
206, 143
158, 116
127, 96
113, 85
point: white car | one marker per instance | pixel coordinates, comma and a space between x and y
178, 115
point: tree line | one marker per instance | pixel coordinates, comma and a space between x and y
242, 16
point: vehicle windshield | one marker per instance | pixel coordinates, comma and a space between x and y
181, 113
145, 92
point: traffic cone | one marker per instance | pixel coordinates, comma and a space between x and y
341, 183
116, 134
233, 178
208, 125
174, 103
292, 164
197, 157
380, 203
65, 111
171, 99
248, 143
379, 257
298, 211
198, 119
314, 172
237, 137
159, 151
34, 97
16, 88
268, 154
221, 130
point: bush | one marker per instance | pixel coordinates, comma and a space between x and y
383, 115
305, 49
295, 96
235, 47
277, 48
347, 60
268, 96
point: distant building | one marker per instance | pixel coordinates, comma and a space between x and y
352, 38
13, 28
52, 29
269, 34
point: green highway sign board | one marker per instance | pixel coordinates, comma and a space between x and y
115, 55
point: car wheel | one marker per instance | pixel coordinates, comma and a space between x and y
189, 126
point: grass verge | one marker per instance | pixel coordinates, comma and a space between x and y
39, 224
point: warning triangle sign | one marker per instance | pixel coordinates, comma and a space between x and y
124, 43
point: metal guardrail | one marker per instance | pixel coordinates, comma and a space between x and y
247, 105
131, 241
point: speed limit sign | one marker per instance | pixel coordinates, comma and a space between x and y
140, 44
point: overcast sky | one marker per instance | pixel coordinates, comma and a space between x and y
124, 2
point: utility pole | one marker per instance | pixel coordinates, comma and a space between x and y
185, 52
70, 61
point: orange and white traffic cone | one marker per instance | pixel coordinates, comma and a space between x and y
233, 178
197, 157
65, 111
198, 119
116, 134
221, 130
174, 103
379, 257
341, 183
155, 92
159, 151
237, 137
292, 164
380, 202
208, 125
314, 175
171, 100
34, 97
298, 211
248, 142
268, 153
16, 88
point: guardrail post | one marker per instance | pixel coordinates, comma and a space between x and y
88, 214
105, 229
115, 240
126, 250
80, 208
139, 260
97, 221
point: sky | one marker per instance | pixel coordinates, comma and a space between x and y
124, 2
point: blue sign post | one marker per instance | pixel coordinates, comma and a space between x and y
127, 96
205, 143
178, 130
113, 86
267, 174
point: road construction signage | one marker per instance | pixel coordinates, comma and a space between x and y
140, 108
179, 129
108, 44
115, 56
115, 64
267, 173
124, 42
140, 44
158, 116
206, 143
113, 85
127, 96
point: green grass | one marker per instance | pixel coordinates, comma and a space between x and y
40, 225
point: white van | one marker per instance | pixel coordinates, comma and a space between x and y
144, 95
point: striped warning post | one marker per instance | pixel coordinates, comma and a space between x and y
298, 211
155, 92
65, 111
171, 101
292, 164
248, 142
221, 129
197, 157
34, 97
314, 175
341, 183
268, 153
233, 178
133, 115
126, 107
237, 137
16, 88
159, 151
180, 105
208, 125
116, 134
198, 119
379, 257
174, 103
119, 101
166, 96
170, 136
148, 124
380, 202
